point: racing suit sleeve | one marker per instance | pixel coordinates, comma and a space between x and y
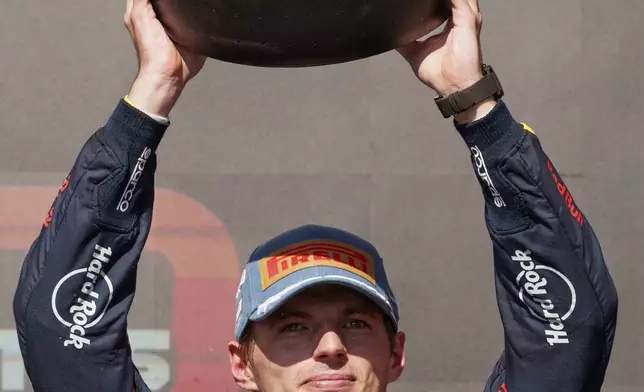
78, 279
557, 301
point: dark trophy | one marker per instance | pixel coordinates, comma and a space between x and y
297, 33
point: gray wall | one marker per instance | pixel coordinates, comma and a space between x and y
358, 145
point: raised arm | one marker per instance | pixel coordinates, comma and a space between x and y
78, 279
557, 300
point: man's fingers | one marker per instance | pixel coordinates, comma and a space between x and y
136, 6
139, 14
127, 17
134, 10
474, 5
466, 12
461, 6
139, 8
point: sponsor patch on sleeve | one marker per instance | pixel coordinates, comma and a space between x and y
315, 253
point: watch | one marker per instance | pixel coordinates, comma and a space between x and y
460, 101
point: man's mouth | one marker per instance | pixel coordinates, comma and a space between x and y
330, 382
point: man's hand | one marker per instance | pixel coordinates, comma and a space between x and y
451, 61
164, 68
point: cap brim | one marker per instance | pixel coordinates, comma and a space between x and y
273, 303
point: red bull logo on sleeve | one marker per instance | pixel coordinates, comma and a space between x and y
315, 253
565, 193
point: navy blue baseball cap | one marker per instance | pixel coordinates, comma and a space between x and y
304, 257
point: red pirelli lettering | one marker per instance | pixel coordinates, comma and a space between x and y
271, 267
299, 259
321, 255
314, 253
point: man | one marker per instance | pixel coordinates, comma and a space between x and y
315, 311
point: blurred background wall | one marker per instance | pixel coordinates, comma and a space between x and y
254, 151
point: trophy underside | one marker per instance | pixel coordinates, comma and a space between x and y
297, 33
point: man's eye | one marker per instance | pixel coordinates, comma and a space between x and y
293, 328
356, 324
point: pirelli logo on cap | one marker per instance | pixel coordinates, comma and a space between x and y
315, 253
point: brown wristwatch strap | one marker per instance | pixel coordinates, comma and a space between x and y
460, 101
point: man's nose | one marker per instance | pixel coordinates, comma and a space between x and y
331, 349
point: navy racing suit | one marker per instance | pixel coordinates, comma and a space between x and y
557, 301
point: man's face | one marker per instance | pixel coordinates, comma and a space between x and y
327, 338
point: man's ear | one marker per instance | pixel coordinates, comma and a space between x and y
397, 360
240, 368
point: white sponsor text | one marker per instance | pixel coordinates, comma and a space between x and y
481, 170
83, 312
535, 286
128, 194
